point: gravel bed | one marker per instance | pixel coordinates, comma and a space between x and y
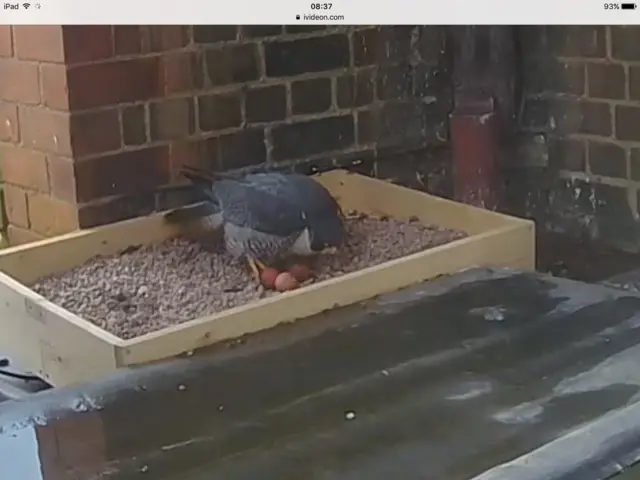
145, 289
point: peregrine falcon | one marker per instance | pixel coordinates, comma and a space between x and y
267, 216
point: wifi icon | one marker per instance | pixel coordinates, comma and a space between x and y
26, 5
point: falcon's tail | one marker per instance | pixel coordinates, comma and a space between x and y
201, 185
200, 176
191, 213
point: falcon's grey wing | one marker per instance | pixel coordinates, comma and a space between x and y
320, 210
244, 204
208, 209
192, 212
203, 182
307, 193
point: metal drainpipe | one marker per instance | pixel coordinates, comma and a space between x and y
483, 117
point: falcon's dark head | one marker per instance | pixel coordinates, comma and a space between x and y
326, 232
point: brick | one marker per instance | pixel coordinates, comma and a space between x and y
431, 43
368, 46
398, 42
567, 154
243, 148
219, 111
304, 28
6, 42
214, 33
558, 116
112, 210
196, 153
360, 161
127, 39
394, 83
9, 127
39, 42
405, 123
232, 64
413, 171
181, 72
606, 80
266, 104
25, 168
122, 173
366, 127
49, 216
627, 122
311, 96
164, 38
607, 159
624, 42
577, 40
172, 119
111, 83
62, 178
15, 205
428, 81
55, 91
306, 55
613, 214
95, 132
134, 125
260, 31
19, 81
311, 167
555, 76
21, 236
45, 130
596, 118
301, 139
355, 90
635, 164
634, 82
87, 43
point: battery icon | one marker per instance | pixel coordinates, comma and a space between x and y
628, 6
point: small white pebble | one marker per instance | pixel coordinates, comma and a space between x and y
350, 415
182, 388
385, 373
220, 408
144, 469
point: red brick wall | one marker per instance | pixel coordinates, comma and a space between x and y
96, 120
35, 136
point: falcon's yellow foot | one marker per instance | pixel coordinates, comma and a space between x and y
256, 266
255, 272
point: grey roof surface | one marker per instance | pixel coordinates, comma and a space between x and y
442, 381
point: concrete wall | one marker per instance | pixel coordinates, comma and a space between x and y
96, 120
